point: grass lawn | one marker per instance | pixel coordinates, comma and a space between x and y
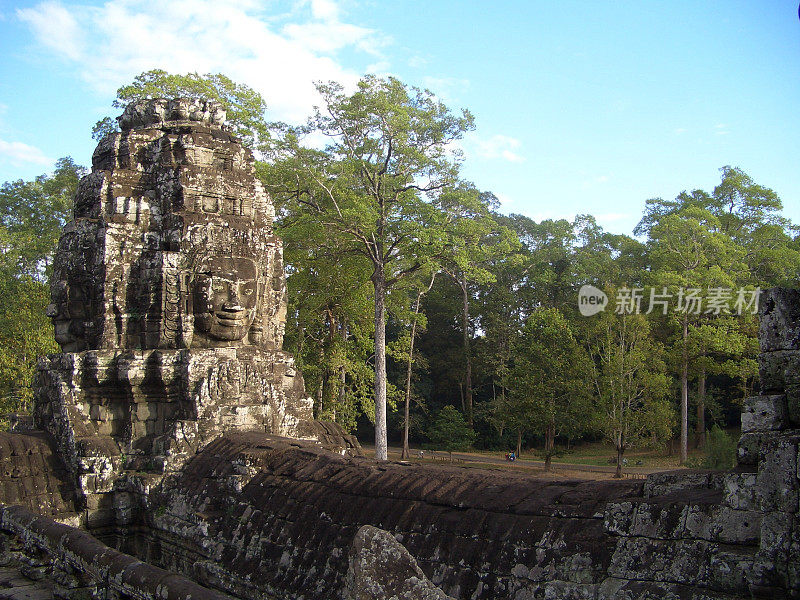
602, 454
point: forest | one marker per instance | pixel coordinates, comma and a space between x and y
421, 315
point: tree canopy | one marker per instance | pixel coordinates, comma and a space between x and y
245, 107
406, 282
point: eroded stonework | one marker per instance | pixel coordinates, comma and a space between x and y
167, 404
168, 301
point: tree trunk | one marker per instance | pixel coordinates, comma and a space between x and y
519, 442
549, 442
330, 377
685, 393
406, 452
318, 404
467, 349
620, 451
342, 371
700, 429
381, 442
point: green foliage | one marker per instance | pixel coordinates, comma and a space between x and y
32, 214
547, 382
375, 193
25, 334
371, 217
628, 381
720, 450
245, 107
450, 431
731, 238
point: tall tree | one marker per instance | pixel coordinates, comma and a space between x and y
418, 323
628, 381
732, 237
475, 241
690, 257
548, 377
32, 214
377, 186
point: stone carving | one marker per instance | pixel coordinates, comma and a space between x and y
380, 567
224, 292
168, 301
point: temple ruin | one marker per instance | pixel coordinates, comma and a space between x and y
176, 455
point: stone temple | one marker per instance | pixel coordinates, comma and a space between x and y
169, 303
175, 454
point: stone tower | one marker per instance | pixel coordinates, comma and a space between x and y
169, 302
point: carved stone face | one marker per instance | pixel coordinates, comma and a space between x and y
225, 293
69, 309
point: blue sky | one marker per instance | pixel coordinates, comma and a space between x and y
581, 107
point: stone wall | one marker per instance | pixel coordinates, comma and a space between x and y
275, 517
32, 475
270, 516
77, 566
259, 516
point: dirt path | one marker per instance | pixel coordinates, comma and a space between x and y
560, 468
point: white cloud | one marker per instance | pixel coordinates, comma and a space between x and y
116, 41
721, 129
417, 61
496, 147
326, 10
330, 36
447, 88
504, 199
18, 154
680, 130
602, 179
55, 27
380, 68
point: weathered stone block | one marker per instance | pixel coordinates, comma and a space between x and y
739, 491
793, 403
764, 413
776, 486
778, 370
779, 327
671, 482
767, 577
658, 521
776, 533
749, 449
147, 410
737, 526
381, 568
639, 558
728, 571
